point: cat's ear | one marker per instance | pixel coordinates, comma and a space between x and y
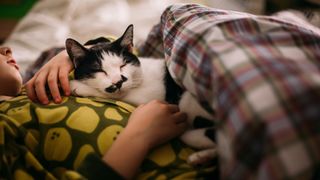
76, 51
126, 40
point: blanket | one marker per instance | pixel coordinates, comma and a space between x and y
258, 76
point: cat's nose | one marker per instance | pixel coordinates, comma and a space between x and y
114, 87
117, 85
111, 88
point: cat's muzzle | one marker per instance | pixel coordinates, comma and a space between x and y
114, 87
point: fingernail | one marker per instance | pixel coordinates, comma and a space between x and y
57, 100
45, 102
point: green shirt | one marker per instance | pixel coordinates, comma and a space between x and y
67, 141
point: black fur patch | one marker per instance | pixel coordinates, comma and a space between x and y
211, 134
173, 90
201, 122
97, 40
92, 64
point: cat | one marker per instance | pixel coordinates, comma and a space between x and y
108, 69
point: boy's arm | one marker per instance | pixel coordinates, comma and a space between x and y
149, 125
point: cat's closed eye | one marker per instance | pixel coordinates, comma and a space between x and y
100, 70
123, 65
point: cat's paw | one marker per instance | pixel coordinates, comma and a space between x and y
202, 157
73, 87
197, 138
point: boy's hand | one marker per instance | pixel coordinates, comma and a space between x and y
156, 122
53, 74
149, 125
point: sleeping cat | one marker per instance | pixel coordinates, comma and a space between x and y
110, 70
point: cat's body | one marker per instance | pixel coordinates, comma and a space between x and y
110, 70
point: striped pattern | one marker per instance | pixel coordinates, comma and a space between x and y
258, 75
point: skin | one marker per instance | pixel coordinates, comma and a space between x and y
150, 125
10, 78
54, 73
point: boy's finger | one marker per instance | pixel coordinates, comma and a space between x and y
180, 117
173, 108
31, 93
39, 86
182, 127
64, 81
53, 85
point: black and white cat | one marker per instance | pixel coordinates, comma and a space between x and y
110, 70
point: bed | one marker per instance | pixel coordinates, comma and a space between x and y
258, 75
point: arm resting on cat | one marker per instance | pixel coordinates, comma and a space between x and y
124, 157
149, 125
54, 73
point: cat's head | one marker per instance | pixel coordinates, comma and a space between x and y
109, 67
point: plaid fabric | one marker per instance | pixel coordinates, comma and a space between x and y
258, 75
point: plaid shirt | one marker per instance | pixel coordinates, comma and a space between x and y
258, 76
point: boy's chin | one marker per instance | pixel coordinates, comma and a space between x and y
13, 90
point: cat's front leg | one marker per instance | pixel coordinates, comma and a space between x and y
80, 89
202, 156
198, 137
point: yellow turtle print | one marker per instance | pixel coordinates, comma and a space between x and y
57, 137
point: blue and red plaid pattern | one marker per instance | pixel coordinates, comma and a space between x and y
258, 76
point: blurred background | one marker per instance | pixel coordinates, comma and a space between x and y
32, 26
11, 11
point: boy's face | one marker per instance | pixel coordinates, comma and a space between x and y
10, 78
